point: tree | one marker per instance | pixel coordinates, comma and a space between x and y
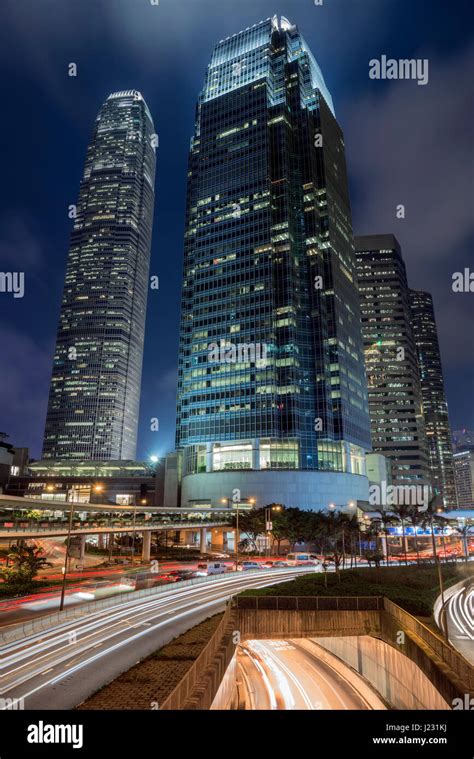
34, 514
280, 525
27, 561
374, 556
465, 531
252, 523
333, 524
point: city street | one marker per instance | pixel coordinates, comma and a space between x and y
281, 674
460, 621
59, 668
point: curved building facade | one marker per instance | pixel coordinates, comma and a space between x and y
271, 380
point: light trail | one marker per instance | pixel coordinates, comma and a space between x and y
32, 667
295, 678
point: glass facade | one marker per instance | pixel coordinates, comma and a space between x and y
435, 407
269, 263
95, 386
396, 414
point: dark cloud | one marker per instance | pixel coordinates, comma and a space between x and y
19, 247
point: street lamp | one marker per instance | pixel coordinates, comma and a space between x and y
268, 523
68, 543
134, 522
228, 501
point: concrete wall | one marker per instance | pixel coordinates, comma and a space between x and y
398, 679
445, 668
308, 490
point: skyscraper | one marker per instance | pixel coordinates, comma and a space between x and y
95, 386
435, 407
464, 477
398, 429
269, 277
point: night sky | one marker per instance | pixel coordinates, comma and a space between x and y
406, 144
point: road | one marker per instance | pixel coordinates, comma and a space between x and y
60, 667
84, 586
280, 674
460, 621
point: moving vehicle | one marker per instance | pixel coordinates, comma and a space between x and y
145, 579
242, 566
181, 574
301, 559
211, 568
280, 564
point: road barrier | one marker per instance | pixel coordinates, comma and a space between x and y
213, 661
443, 650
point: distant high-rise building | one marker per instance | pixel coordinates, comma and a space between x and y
463, 440
398, 429
95, 387
435, 407
270, 279
464, 473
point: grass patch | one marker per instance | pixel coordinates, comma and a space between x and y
413, 588
153, 679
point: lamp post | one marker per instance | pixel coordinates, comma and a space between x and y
229, 501
440, 580
68, 543
143, 502
268, 524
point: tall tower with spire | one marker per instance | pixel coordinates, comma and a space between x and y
95, 385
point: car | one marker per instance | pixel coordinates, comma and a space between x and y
280, 564
242, 566
202, 570
181, 574
267, 564
301, 559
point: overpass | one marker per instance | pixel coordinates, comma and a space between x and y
108, 519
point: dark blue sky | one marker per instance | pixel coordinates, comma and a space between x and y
405, 144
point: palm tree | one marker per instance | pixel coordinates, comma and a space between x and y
465, 531
403, 513
417, 519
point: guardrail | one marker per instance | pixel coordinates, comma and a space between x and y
178, 697
444, 651
78, 528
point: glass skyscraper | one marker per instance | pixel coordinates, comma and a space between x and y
395, 402
95, 386
269, 277
435, 407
